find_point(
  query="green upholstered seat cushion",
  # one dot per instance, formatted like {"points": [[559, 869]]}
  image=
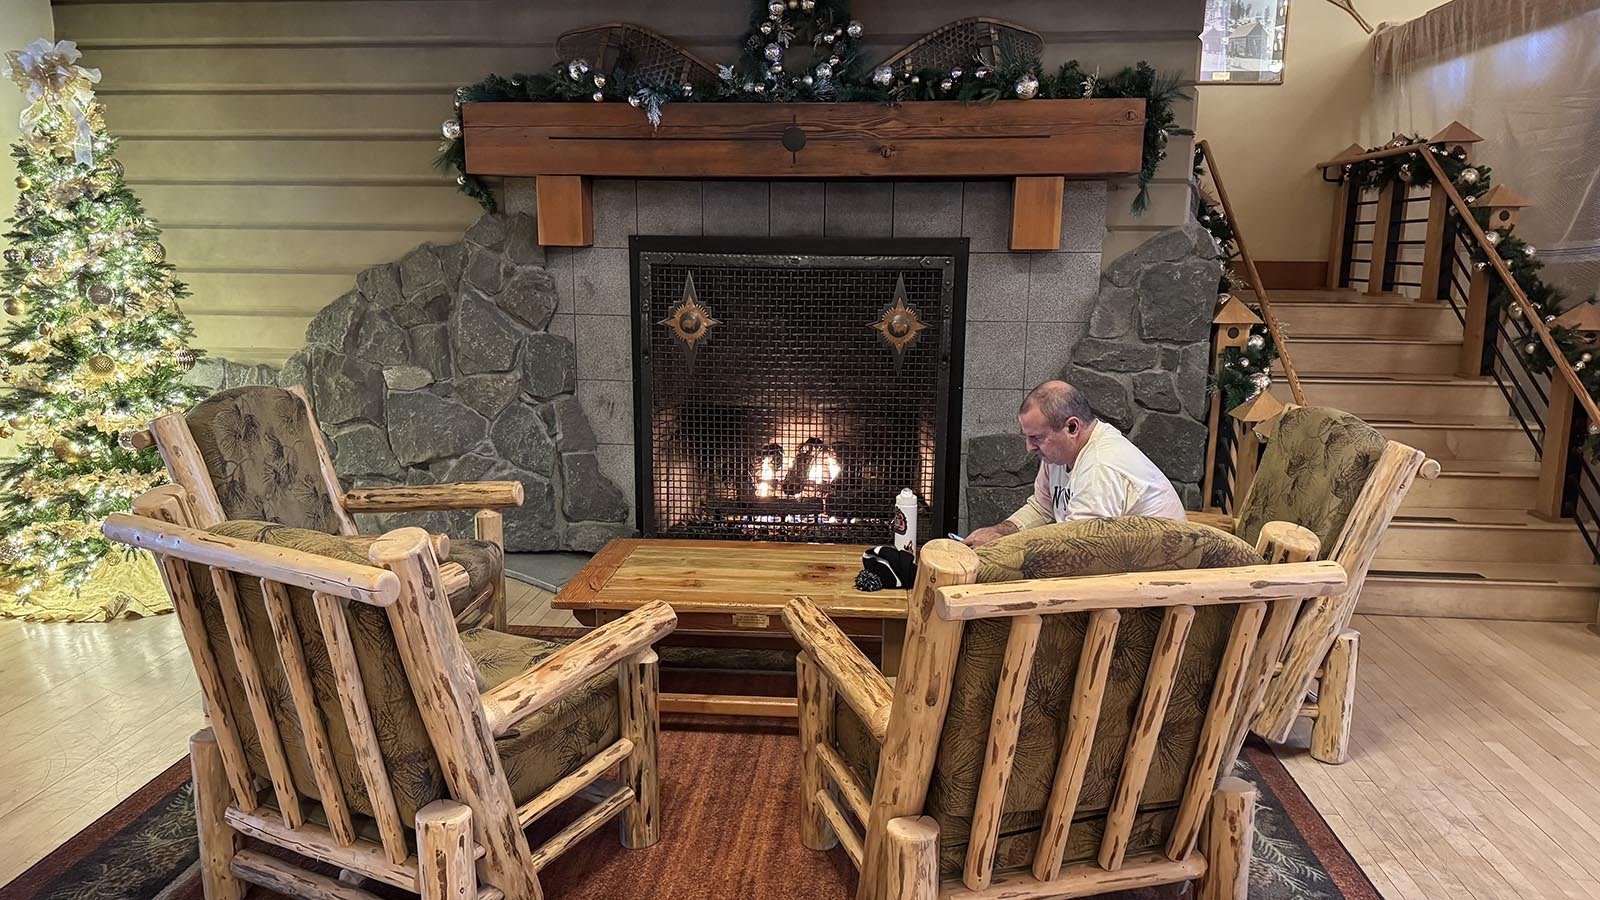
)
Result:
{"points": [[542, 750], [1091, 547], [484, 562], [1310, 473], [258, 446]]}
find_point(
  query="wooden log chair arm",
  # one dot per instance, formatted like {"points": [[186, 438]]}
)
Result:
{"points": [[560, 673], [434, 497], [851, 674]]}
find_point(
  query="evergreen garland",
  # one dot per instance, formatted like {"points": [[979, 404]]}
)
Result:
{"points": [[1215, 222], [1246, 371], [832, 74]]}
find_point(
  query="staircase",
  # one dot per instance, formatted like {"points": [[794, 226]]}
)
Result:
{"points": [[1465, 543]]}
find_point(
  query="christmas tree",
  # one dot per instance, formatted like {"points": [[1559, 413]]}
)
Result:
{"points": [[95, 347]]}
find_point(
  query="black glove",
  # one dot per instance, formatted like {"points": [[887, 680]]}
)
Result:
{"points": [[892, 568]]}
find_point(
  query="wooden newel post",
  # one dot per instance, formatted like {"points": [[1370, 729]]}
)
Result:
{"points": [[1248, 420], [1475, 325], [1338, 248], [1383, 231], [1554, 460], [1456, 139], [1230, 327]]}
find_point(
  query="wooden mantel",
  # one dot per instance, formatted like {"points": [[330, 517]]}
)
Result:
{"points": [[1038, 143]]}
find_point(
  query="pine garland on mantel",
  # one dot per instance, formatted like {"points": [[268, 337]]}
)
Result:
{"points": [[834, 73], [1473, 181]]}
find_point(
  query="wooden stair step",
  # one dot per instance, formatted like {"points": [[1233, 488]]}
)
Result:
{"points": [[1482, 535], [1361, 355], [1479, 484], [1542, 592], [1382, 396], [1325, 318], [1326, 295], [1456, 438]]}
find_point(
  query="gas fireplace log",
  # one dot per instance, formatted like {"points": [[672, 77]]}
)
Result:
{"points": [[414, 498]]}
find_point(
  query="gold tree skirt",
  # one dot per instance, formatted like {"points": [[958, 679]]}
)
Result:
{"points": [[120, 585]]}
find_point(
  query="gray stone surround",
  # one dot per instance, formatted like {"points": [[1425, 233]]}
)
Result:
{"points": [[495, 358]]}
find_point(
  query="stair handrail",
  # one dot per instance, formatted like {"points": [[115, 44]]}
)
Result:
{"points": [[1262, 300]]}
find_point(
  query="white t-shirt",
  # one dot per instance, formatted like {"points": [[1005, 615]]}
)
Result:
{"points": [[1112, 478]]}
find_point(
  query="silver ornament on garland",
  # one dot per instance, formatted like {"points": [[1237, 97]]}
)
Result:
{"points": [[1255, 342], [1405, 172], [461, 180], [1586, 357], [635, 101], [599, 80], [1468, 176], [772, 52], [577, 68], [808, 5], [807, 80], [1471, 199], [947, 85], [1244, 362], [916, 79], [1027, 87], [883, 76], [824, 71], [759, 88], [981, 73], [1529, 348], [775, 9], [776, 68], [597, 97], [829, 38], [12, 256], [451, 129], [765, 27], [1528, 251], [1492, 238], [1594, 428], [1087, 87], [854, 29], [1515, 311], [957, 72]]}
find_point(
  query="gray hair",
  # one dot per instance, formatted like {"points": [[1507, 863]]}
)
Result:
{"points": [[1058, 402]]}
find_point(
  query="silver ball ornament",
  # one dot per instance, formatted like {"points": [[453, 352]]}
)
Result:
{"points": [[775, 8], [1405, 172], [772, 52], [776, 68], [824, 71], [1256, 342], [461, 180], [635, 101], [687, 89], [1515, 311], [807, 80], [1549, 319], [1244, 362], [829, 38], [759, 88], [883, 76], [916, 79], [808, 5], [1529, 347], [1027, 87], [1578, 366], [599, 80], [1492, 238], [1468, 176], [597, 97], [451, 129], [1471, 198], [854, 29], [766, 27], [957, 72], [1594, 428], [577, 68], [1528, 251], [947, 85], [1586, 357], [981, 72]]}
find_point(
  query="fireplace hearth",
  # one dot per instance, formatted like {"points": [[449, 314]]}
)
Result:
{"points": [[788, 389]]}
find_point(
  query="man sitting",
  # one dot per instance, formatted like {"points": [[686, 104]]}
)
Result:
{"points": [[1087, 469]]}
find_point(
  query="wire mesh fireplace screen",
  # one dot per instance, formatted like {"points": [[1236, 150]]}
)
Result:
{"points": [[788, 389]]}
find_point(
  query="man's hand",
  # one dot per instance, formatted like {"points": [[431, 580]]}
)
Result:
{"points": [[985, 535]]}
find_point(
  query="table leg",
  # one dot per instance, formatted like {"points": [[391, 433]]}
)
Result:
{"points": [[894, 639]]}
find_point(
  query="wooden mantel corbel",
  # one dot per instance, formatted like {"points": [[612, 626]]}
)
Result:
{"points": [[1037, 143]]}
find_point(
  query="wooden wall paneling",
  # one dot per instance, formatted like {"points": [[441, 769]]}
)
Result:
{"points": [[1036, 212]]}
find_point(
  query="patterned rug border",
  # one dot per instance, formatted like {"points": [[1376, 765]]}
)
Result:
{"points": [[1335, 857]]}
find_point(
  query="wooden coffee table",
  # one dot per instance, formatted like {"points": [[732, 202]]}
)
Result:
{"points": [[735, 587]]}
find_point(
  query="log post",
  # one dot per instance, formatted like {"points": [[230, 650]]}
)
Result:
{"points": [[815, 699], [1435, 252], [218, 841], [446, 867], [913, 873], [1475, 326], [1338, 249], [1230, 831], [1336, 697], [489, 526], [638, 691], [1555, 447]]}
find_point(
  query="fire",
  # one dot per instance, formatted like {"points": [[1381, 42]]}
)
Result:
{"points": [[808, 471]]}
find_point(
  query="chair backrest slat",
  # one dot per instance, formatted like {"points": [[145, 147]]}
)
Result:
{"points": [[1147, 724], [1278, 543], [330, 478], [358, 721], [255, 692], [1089, 690], [1001, 753], [1217, 732], [315, 736], [187, 468]]}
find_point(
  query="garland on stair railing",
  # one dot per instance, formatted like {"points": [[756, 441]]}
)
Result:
{"points": [[833, 73], [1208, 212], [1246, 371], [1472, 181]]}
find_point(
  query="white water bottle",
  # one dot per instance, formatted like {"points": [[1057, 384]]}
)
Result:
{"points": [[905, 521]]}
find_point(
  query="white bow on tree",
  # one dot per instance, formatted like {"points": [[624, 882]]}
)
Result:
{"points": [[51, 79]]}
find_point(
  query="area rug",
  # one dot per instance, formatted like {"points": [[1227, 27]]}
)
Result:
{"points": [[730, 794]]}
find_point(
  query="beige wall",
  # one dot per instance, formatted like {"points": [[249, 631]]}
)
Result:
{"points": [[1267, 138], [284, 146], [20, 22]]}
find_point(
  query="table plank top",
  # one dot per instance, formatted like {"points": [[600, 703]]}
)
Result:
{"points": [[727, 576]]}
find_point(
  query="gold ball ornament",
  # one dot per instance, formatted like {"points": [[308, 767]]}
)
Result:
{"points": [[46, 327], [14, 306], [24, 183], [5, 431], [185, 358], [101, 364], [66, 450], [100, 294], [154, 253]]}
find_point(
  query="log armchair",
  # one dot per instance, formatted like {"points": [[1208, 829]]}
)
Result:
{"points": [[256, 453], [1053, 737], [1335, 475], [353, 725]]}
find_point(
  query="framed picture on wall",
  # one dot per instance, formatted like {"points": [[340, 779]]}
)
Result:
{"points": [[1242, 42]]}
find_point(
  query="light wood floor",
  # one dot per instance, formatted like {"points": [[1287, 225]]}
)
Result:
{"points": [[1475, 769]]}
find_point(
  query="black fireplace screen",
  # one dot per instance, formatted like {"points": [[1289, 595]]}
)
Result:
{"points": [[789, 389]]}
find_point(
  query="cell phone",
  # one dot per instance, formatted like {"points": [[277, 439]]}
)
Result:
{"points": [[955, 537]]}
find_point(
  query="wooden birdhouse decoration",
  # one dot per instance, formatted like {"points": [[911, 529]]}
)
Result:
{"points": [[1456, 137], [1260, 413], [1584, 319], [1233, 322], [1255, 420], [1504, 206]]}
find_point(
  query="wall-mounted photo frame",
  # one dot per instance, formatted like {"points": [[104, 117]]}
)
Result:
{"points": [[1243, 41]]}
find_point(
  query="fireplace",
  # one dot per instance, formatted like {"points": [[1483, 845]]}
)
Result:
{"points": [[788, 389]]}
